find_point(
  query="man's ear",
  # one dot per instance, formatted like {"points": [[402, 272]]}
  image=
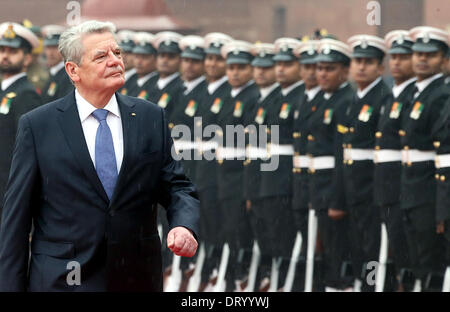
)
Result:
{"points": [[72, 70], [27, 60]]}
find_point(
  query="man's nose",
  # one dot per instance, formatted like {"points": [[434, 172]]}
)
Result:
{"points": [[113, 59]]}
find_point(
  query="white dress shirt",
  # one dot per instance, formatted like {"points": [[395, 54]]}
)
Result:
{"points": [[140, 82], [424, 83], [288, 90], [90, 126], [213, 86], [162, 82], [129, 73], [264, 92], [311, 93], [235, 92], [9, 81], [397, 89], [362, 93], [190, 85], [55, 69]]}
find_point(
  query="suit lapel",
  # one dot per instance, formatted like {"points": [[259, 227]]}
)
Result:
{"points": [[129, 121], [69, 121]]}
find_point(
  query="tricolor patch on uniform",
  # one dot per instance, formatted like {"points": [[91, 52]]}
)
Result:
{"points": [[217, 105], [395, 110], [416, 111], [285, 109], [327, 116], [365, 113], [124, 91], [191, 108], [238, 107], [52, 88], [5, 105], [260, 115], [143, 95], [164, 100]]}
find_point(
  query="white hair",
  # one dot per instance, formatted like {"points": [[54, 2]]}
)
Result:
{"points": [[70, 43]]}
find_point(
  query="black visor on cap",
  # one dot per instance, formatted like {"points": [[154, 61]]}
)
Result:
{"points": [[144, 49], [127, 46], [16, 42], [265, 61], [51, 41], [333, 57], [240, 57], [429, 46], [196, 53], [306, 58], [166, 47], [285, 56], [367, 52]]}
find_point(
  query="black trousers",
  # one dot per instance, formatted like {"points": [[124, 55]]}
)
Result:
{"points": [[237, 232], [392, 216], [334, 235], [365, 238], [428, 247]]}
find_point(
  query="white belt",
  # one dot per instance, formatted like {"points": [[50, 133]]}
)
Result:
{"points": [[301, 161], [442, 161], [412, 156], [184, 145], [387, 155], [230, 153], [357, 154], [285, 149], [203, 146], [253, 152], [322, 162]]}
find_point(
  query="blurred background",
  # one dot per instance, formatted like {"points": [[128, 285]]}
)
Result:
{"points": [[252, 20]]}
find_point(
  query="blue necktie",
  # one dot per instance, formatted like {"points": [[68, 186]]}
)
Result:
{"points": [[105, 157]]}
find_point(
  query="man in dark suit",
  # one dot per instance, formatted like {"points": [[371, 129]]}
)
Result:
{"points": [[418, 184], [363, 114], [59, 83], [17, 94], [88, 171]]}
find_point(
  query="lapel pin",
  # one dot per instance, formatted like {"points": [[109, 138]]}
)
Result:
{"points": [[133, 114]]}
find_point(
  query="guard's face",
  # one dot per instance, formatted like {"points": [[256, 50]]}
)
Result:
{"points": [[168, 63], [287, 73], [365, 70], [52, 56], [128, 60], [192, 68], [308, 74], [144, 63], [239, 74], [215, 67], [13, 61], [264, 76], [400, 66], [428, 64], [101, 65], [331, 75]]}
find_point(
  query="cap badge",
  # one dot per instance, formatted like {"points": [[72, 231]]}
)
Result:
{"points": [[236, 52], [9, 33], [167, 42], [262, 54], [426, 38], [216, 44], [364, 44], [311, 51], [400, 40], [192, 47], [326, 49], [284, 48]]}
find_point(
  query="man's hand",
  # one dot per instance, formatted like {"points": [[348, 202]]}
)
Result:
{"points": [[440, 227], [336, 214], [181, 241]]}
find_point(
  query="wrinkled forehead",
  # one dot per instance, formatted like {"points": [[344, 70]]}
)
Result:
{"points": [[94, 42]]}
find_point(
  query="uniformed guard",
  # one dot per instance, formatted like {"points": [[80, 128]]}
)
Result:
{"points": [[59, 83], [304, 110], [144, 60], [276, 185], [169, 85], [387, 157], [126, 42], [17, 94], [256, 149], [324, 147], [231, 154], [206, 169], [418, 184], [363, 115], [186, 113]]}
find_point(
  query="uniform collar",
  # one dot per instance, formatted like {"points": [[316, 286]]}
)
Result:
{"points": [[9, 81], [327, 95], [190, 85], [311, 93], [398, 89], [140, 82], [85, 109], [362, 93], [213, 86], [266, 91], [55, 69], [235, 92], [163, 82], [129, 73], [426, 82], [286, 91]]}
